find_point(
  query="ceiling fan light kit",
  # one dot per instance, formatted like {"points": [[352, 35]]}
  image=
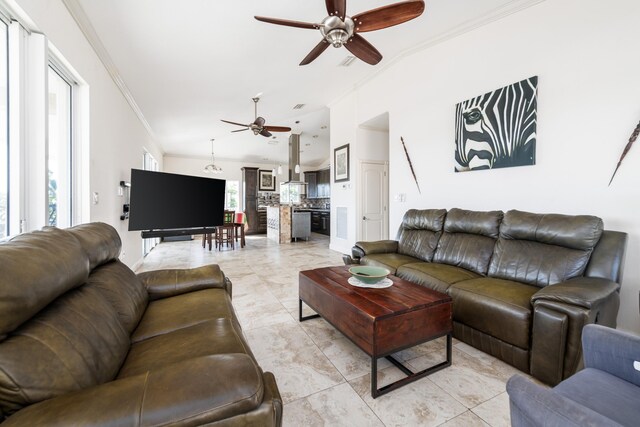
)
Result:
{"points": [[339, 30]]}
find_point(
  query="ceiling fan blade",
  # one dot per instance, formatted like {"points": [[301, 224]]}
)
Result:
{"points": [[265, 132], [234, 123], [363, 49], [240, 130], [277, 129], [287, 23], [388, 16], [259, 121], [337, 7], [320, 47]]}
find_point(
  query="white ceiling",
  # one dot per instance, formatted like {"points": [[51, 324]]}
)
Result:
{"points": [[190, 63]]}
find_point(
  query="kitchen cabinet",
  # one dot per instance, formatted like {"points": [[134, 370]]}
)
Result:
{"points": [[318, 184], [262, 221], [312, 185], [321, 222], [315, 222], [256, 220], [324, 184], [325, 223]]}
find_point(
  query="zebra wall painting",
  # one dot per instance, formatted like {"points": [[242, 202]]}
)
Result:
{"points": [[498, 129]]}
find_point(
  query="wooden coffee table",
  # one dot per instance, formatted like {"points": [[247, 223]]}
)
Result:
{"points": [[379, 321]]}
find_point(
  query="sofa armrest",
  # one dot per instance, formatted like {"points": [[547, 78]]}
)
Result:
{"points": [[534, 405], [612, 351], [196, 391], [378, 247], [171, 282], [586, 292], [560, 312]]}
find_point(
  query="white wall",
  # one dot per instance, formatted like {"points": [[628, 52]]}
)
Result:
{"points": [[585, 54], [231, 170], [117, 138], [373, 145]]}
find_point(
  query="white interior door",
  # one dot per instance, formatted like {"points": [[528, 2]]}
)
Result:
{"points": [[374, 211]]}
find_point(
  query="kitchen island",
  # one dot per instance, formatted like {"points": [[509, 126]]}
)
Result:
{"points": [[320, 219], [284, 223]]}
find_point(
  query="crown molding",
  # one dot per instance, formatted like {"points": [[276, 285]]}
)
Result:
{"points": [[81, 18], [501, 12]]}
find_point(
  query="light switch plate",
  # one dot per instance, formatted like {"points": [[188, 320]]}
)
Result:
{"points": [[95, 198]]}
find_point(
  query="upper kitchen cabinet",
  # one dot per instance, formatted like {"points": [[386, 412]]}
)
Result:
{"points": [[312, 184], [324, 184], [318, 184]]}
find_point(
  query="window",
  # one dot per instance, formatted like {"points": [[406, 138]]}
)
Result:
{"points": [[231, 201], [149, 164], [59, 151], [4, 132]]}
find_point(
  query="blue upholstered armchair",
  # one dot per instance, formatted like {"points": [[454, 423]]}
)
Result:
{"points": [[605, 393]]}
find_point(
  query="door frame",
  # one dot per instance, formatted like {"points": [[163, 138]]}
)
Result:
{"points": [[360, 193]]}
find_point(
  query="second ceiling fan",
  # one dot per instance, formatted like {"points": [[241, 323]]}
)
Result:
{"points": [[339, 30], [258, 127]]}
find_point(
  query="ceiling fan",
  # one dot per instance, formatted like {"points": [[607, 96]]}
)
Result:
{"points": [[258, 126], [339, 30]]}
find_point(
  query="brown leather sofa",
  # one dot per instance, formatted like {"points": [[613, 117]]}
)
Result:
{"points": [[85, 341], [523, 285]]}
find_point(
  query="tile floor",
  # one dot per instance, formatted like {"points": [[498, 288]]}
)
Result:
{"points": [[322, 376]]}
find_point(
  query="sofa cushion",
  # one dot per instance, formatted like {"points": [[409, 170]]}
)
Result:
{"points": [[603, 393], [219, 336], [122, 288], [544, 249], [500, 308], [468, 239], [419, 233], [100, 241], [170, 314], [75, 343], [170, 282], [36, 269], [196, 391], [389, 261], [434, 276]]}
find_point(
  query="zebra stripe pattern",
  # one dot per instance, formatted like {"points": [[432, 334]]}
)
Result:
{"points": [[498, 129]]}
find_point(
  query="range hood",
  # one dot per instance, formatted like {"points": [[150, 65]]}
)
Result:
{"points": [[292, 190]]}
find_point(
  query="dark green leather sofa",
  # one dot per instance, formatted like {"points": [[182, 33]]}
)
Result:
{"points": [[523, 284], [85, 341]]}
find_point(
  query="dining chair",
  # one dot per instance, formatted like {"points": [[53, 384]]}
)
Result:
{"points": [[225, 233]]}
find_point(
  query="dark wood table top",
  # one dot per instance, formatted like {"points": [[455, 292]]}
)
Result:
{"points": [[403, 296]]}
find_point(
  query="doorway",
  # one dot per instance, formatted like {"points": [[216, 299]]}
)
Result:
{"points": [[374, 196], [373, 179]]}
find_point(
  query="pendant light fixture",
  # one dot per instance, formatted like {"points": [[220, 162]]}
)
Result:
{"points": [[212, 168]]}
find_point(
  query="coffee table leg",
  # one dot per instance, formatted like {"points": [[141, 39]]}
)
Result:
{"points": [[410, 375], [302, 319], [374, 377]]}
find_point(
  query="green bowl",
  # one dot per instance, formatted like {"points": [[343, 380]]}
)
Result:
{"points": [[369, 274]]}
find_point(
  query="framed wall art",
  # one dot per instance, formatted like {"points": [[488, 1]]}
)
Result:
{"points": [[266, 180], [498, 129], [341, 163]]}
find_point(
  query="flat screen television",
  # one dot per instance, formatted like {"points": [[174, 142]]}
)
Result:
{"points": [[160, 200]]}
